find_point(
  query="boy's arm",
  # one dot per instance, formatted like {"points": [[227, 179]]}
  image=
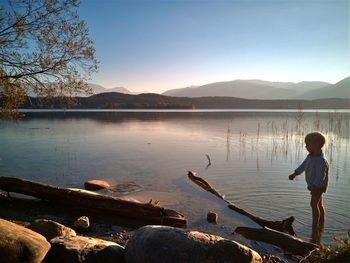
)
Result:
{"points": [[299, 170], [292, 176]]}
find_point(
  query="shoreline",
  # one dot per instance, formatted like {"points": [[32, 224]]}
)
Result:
{"points": [[23, 211]]}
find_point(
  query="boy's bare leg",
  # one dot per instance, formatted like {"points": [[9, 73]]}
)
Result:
{"points": [[316, 235], [322, 212], [316, 196]]}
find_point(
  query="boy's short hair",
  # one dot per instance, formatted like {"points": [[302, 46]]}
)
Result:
{"points": [[316, 137]]}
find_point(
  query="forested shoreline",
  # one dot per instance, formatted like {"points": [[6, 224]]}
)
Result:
{"points": [[155, 101]]}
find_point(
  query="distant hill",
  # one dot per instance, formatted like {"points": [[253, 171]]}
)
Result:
{"points": [[238, 88], [99, 89], [306, 86], [340, 89], [249, 89], [114, 100]]}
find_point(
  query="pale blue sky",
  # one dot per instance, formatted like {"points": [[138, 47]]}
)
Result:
{"points": [[158, 45]]}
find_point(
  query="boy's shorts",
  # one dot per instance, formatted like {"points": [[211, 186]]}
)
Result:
{"points": [[311, 189]]}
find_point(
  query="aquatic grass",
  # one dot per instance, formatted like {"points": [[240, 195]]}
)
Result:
{"points": [[228, 139], [282, 137]]}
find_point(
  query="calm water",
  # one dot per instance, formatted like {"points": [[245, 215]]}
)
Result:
{"points": [[252, 154]]}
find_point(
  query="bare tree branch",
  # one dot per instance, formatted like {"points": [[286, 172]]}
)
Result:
{"points": [[44, 48]]}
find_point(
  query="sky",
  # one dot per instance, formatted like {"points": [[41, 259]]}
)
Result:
{"points": [[157, 45]]}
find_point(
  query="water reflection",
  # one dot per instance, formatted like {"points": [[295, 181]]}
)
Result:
{"points": [[250, 157]]}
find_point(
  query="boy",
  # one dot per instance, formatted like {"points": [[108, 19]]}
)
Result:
{"points": [[316, 168]]}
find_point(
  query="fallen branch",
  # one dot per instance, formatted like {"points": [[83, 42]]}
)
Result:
{"points": [[204, 184], [93, 203], [287, 242], [283, 226]]}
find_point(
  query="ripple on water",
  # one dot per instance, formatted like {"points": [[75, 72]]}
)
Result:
{"points": [[156, 150]]}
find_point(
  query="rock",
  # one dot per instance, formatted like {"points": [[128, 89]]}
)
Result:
{"points": [[51, 229], [19, 244], [151, 244], [212, 217], [84, 249], [82, 223], [96, 185]]}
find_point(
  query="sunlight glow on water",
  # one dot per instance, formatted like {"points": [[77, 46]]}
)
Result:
{"points": [[252, 155]]}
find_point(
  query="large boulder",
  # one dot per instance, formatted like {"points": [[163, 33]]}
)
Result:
{"points": [[84, 249], [94, 185], [157, 244], [51, 229], [19, 244]]}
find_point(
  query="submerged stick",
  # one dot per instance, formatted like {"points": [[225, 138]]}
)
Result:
{"points": [[209, 161], [208, 157], [283, 226]]}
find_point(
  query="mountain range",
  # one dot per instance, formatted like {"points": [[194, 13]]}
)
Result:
{"points": [[253, 89], [220, 95], [259, 89]]}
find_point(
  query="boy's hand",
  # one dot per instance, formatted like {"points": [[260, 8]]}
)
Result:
{"points": [[292, 176]]}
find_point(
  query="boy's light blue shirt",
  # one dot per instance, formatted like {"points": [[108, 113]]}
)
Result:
{"points": [[316, 171]]}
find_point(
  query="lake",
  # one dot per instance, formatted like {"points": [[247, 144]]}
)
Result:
{"points": [[148, 154]]}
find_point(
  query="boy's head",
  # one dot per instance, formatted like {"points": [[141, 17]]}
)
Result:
{"points": [[314, 142]]}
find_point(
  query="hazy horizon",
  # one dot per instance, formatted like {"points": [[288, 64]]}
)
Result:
{"points": [[159, 45], [195, 86]]}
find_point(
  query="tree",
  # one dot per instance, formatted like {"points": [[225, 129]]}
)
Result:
{"points": [[45, 49]]}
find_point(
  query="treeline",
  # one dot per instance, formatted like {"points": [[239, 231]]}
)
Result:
{"points": [[116, 100]]}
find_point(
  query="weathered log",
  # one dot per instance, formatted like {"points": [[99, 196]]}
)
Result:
{"points": [[283, 225], [287, 242], [95, 203]]}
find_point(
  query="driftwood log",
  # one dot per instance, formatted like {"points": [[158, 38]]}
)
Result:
{"points": [[95, 203], [283, 226], [287, 242]]}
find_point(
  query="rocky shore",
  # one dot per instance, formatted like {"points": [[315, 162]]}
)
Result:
{"points": [[49, 241], [37, 231]]}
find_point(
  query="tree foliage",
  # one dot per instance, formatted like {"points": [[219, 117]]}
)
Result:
{"points": [[45, 49]]}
